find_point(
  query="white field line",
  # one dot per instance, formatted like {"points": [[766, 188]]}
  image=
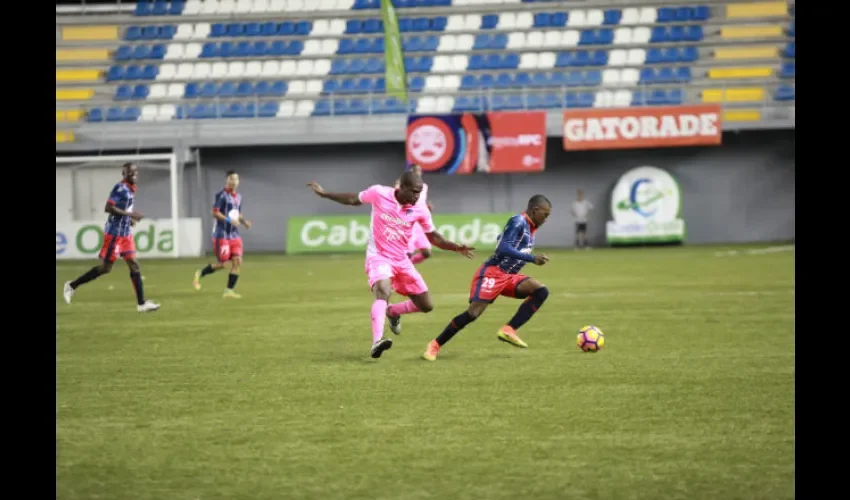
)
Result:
{"points": [[756, 251]]}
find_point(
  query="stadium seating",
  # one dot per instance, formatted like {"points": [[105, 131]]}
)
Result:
{"points": [[245, 58]]}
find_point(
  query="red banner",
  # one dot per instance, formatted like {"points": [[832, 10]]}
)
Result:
{"points": [[489, 143], [642, 127]]}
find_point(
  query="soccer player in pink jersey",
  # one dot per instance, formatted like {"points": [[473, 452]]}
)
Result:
{"points": [[394, 213]]}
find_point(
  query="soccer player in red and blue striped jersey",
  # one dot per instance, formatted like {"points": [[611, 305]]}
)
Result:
{"points": [[500, 276], [118, 239], [227, 243]]}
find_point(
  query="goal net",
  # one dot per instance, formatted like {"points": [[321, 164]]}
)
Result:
{"points": [[83, 184]]}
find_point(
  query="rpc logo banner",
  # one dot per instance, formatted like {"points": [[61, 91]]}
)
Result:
{"points": [[470, 143], [647, 208], [643, 127]]}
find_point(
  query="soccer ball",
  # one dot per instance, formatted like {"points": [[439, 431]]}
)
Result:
{"points": [[590, 339], [233, 214]]}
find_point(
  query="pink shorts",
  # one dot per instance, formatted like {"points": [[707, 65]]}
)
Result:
{"points": [[418, 240], [406, 280]]}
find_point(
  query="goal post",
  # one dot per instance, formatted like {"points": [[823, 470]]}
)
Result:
{"points": [[71, 193]]}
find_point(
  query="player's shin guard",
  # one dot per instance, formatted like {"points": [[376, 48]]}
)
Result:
{"points": [[457, 324], [136, 278], [379, 315], [529, 307], [405, 307], [90, 275], [231, 281], [207, 270]]}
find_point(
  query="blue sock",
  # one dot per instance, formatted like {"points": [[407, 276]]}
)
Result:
{"points": [[529, 307]]}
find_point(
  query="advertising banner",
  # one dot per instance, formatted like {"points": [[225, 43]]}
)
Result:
{"points": [[647, 208], [469, 143], [154, 238], [395, 77], [350, 233], [642, 127]]}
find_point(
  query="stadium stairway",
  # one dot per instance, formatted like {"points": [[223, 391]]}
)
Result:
{"points": [[300, 58]]}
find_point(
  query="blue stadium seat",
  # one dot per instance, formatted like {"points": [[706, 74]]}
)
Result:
{"points": [[227, 90], [416, 84], [788, 70], [192, 90], [790, 50], [489, 21], [269, 109], [141, 52], [612, 17], [95, 115], [149, 33], [141, 91], [143, 8], [580, 99], [208, 90], [252, 29], [123, 92], [133, 33], [160, 8], [176, 7], [785, 93], [123, 53]]}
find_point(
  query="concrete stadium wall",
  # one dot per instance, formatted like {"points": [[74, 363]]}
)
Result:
{"points": [[742, 191]]}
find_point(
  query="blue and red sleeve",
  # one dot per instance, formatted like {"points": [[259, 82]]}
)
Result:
{"points": [[117, 196], [220, 204], [510, 240]]}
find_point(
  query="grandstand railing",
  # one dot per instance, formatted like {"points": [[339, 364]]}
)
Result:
{"points": [[407, 106]]}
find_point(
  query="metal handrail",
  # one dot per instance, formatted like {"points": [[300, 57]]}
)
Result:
{"points": [[482, 104]]}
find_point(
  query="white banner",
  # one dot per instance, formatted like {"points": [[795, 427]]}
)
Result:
{"points": [[647, 207], [154, 238]]}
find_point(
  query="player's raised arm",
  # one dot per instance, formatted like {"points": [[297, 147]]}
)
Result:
{"points": [[351, 199]]}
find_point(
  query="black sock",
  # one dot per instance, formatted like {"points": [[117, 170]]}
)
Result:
{"points": [[529, 307], [136, 278], [89, 275], [207, 270], [231, 280], [456, 325]]}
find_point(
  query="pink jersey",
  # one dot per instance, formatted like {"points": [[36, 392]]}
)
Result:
{"points": [[392, 223]]}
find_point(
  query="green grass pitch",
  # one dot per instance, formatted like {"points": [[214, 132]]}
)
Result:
{"points": [[275, 396]]}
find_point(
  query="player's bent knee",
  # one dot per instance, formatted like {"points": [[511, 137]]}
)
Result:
{"points": [[542, 293], [426, 252], [426, 307]]}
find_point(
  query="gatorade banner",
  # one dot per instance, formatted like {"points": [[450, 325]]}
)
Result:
{"points": [[396, 78], [350, 233], [470, 143], [643, 127]]}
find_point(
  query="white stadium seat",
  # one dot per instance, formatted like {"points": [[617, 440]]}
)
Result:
{"points": [[226, 7], [304, 108], [176, 90]]}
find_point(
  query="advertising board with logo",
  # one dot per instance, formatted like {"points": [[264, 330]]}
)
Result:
{"points": [[153, 237], [646, 204], [470, 143], [643, 127], [350, 233]]}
